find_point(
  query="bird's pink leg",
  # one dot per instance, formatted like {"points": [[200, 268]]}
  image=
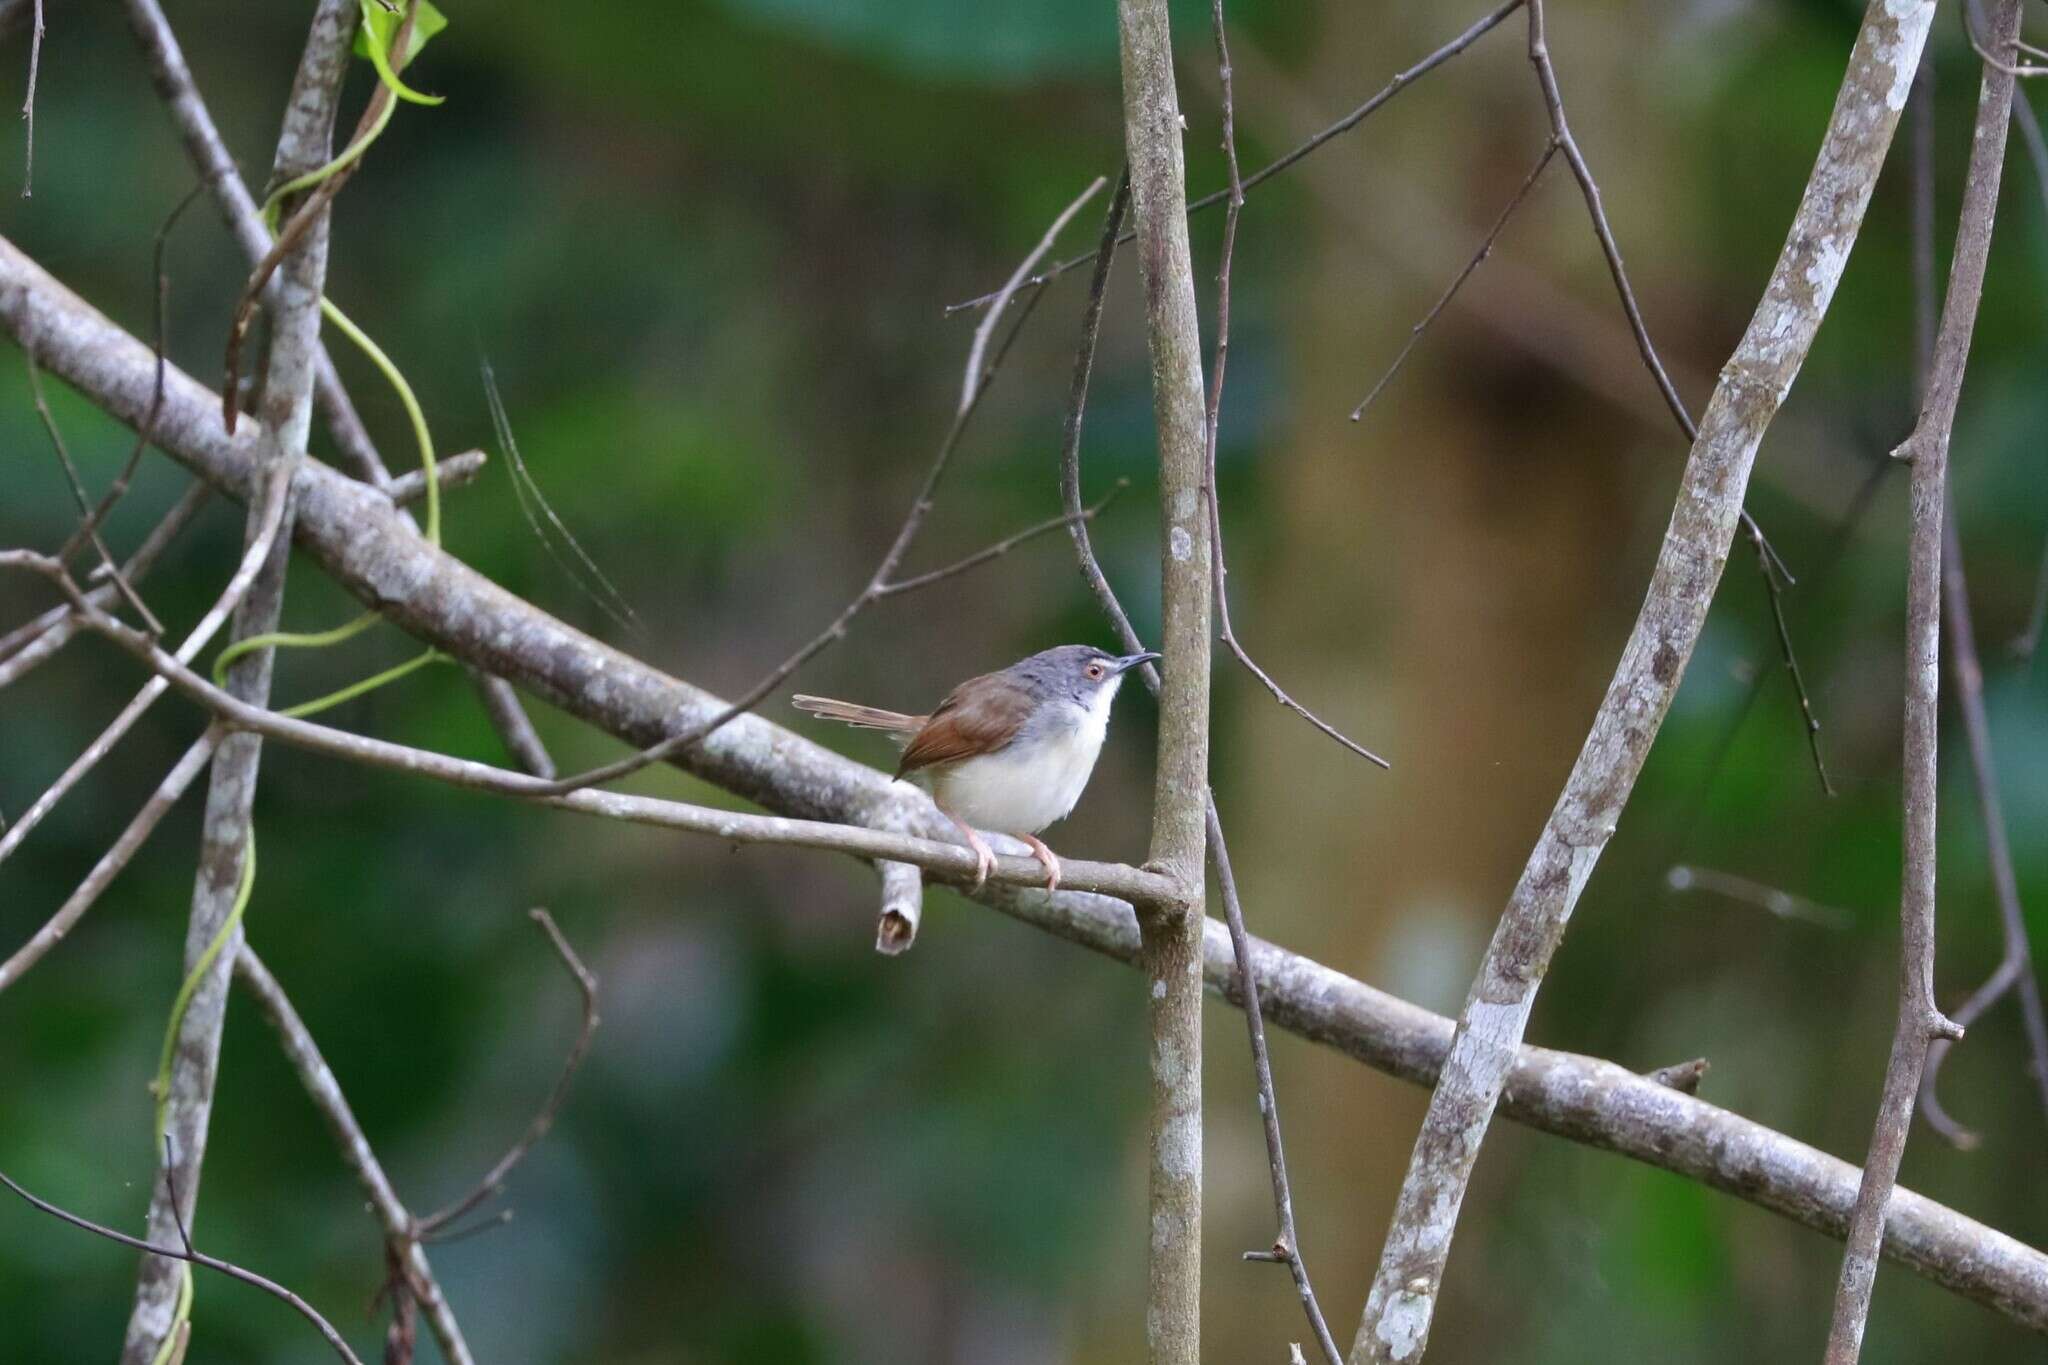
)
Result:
{"points": [[984, 856], [1047, 859]]}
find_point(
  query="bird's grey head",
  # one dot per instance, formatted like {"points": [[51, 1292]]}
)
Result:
{"points": [[1082, 673]]}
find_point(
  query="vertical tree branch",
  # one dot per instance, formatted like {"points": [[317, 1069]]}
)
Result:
{"points": [[1172, 933], [286, 412], [1920, 1021], [1403, 1298]]}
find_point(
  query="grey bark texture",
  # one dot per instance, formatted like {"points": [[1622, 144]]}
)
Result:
{"points": [[286, 413], [1399, 1307], [1919, 1020], [1173, 931]]}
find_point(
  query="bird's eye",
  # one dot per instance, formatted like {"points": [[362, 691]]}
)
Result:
{"points": [[1095, 671]]}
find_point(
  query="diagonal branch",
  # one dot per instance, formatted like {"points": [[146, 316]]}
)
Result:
{"points": [[325, 1092], [1395, 1325]]}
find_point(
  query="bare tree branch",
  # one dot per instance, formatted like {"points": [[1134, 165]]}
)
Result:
{"points": [[1172, 928], [493, 1182], [2014, 972], [286, 410], [356, 1153], [1477, 259], [1395, 1325], [28, 104], [1920, 1020], [1286, 1240], [947, 859], [181, 776], [185, 1252]]}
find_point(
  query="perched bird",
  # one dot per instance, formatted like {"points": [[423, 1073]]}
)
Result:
{"points": [[1007, 751]]}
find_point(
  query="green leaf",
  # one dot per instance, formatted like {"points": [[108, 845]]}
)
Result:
{"points": [[380, 26]]}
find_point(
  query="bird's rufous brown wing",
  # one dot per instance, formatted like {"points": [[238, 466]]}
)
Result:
{"points": [[979, 716]]}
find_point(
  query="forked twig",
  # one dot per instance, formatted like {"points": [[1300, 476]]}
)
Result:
{"points": [[1401, 81], [1218, 568], [493, 1182], [1478, 257], [78, 495]]}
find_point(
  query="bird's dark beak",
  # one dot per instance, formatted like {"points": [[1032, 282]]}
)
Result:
{"points": [[1131, 661]]}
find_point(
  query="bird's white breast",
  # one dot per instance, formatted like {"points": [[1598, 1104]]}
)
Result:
{"points": [[1033, 782]]}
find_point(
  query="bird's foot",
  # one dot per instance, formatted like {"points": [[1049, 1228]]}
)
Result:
{"points": [[984, 856], [1047, 859]]}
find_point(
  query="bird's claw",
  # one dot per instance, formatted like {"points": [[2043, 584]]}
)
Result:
{"points": [[1047, 859]]}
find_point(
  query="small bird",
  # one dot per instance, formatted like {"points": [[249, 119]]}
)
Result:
{"points": [[1007, 751]]}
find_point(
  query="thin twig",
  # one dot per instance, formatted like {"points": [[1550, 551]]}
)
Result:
{"points": [[1776, 575], [118, 855], [85, 513], [2014, 972], [159, 297], [321, 1087], [1920, 1020], [28, 104], [493, 1182], [137, 567], [266, 517], [1776, 900], [1477, 259], [546, 525], [200, 1258], [1003, 546], [1401, 81], [1286, 1241], [1219, 570], [2029, 640], [877, 582], [970, 378]]}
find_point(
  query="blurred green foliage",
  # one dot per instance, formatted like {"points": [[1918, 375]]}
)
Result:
{"points": [[706, 248]]}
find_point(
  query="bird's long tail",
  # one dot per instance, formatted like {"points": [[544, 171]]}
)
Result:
{"points": [[866, 717]]}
